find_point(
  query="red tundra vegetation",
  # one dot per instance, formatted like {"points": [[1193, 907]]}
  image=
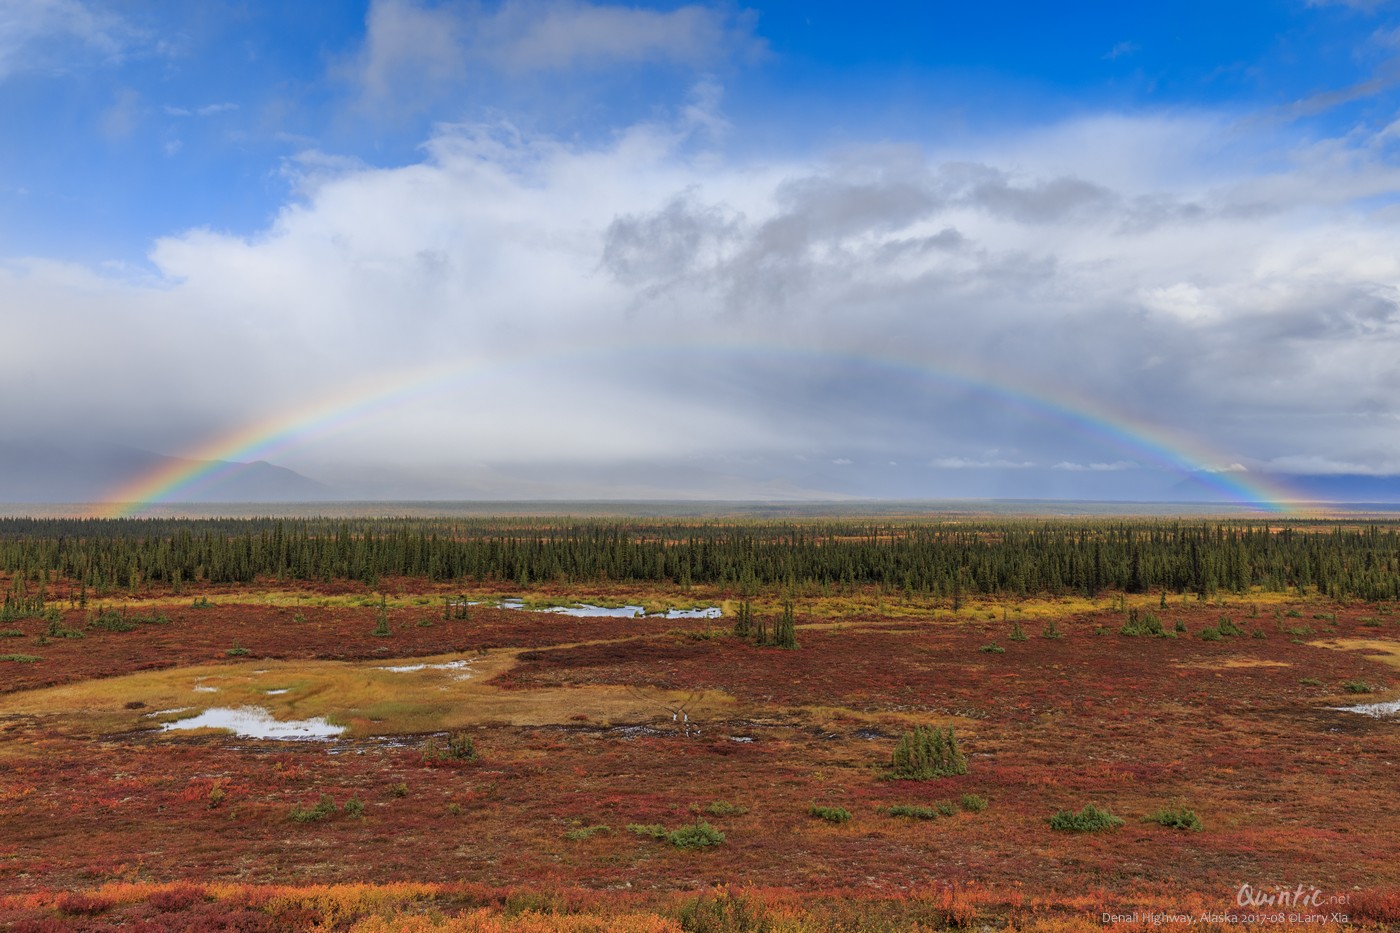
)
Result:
{"points": [[651, 774]]}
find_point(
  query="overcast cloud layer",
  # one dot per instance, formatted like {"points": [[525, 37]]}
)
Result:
{"points": [[658, 308]]}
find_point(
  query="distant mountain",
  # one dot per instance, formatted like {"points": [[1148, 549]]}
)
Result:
{"points": [[49, 473], [1334, 487]]}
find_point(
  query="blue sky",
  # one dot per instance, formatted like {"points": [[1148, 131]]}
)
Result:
{"points": [[1178, 215]]}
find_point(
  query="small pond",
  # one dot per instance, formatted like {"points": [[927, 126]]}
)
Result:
{"points": [[255, 723]]}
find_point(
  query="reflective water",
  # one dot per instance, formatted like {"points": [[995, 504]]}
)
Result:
{"points": [[1374, 710], [585, 610], [256, 723]]}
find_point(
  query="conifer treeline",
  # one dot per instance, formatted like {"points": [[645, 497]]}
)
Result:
{"points": [[950, 559]]}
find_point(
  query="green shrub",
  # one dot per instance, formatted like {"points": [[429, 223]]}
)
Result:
{"points": [[695, 836], [724, 808], [700, 835], [1258, 633], [354, 808], [973, 803], [381, 626], [1210, 634], [1310, 682], [110, 620], [1145, 623], [57, 629], [201, 602], [1358, 686], [20, 658], [1228, 628], [1179, 818], [1089, 820], [324, 810], [1052, 631], [1295, 614], [459, 748], [237, 651], [586, 832], [1180, 627], [913, 812], [399, 790], [945, 807], [928, 752], [1017, 634], [993, 648], [11, 633], [830, 814]]}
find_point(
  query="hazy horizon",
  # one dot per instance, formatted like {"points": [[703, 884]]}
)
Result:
{"points": [[559, 249]]}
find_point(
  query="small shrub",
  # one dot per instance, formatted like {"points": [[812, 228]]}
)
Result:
{"points": [[459, 748], [1295, 614], [973, 803], [79, 904], [830, 814], [1179, 818], [216, 796], [1298, 631], [945, 807], [1228, 628], [913, 812], [20, 658], [324, 810], [1210, 634], [1180, 627], [109, 620], [237, 651], [1052, 631], [381, 627], [993, 648], [11, 633], [724, 808], [1088, 820], [399, 790], [928, 752], [354, 808], [1310, 682], [57, 629], [201, 602], [1145, 623], [586, 832], [1258, 633], [1017, 634], [1358, 686], [700, 835]]}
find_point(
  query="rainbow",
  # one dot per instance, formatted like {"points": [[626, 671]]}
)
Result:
{"points": [[227, 453]]}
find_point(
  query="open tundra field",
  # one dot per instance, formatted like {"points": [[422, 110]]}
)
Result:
{"points": [[846, 725]]}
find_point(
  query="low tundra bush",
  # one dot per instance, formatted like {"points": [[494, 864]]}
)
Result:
{"points": [[1088, 820]]}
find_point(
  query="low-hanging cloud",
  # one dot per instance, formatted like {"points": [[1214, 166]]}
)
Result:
{"points": [[649, 299]]}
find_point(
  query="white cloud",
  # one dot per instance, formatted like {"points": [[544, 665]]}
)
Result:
{"points": [[963, 463], [56, 36], [647, 299], [1114, 467]]}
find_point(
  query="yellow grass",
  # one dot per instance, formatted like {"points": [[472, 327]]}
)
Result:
{"points": [[364, 696], [1387, 652]]}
